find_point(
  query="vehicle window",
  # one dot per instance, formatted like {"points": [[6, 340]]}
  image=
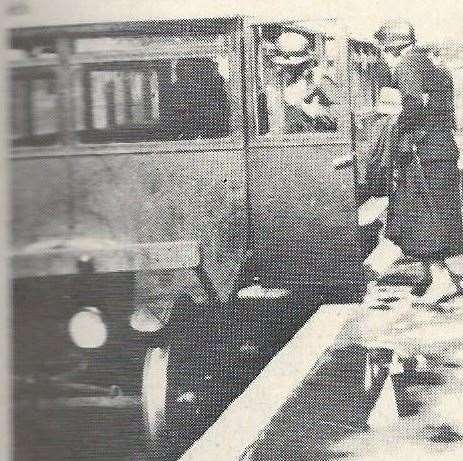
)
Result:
{"points": [[363, 85], [34, 97], [151, 88], [363, 91], [297, 82]]}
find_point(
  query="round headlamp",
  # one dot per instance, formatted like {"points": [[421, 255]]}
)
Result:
{"points": [[87, 328]]}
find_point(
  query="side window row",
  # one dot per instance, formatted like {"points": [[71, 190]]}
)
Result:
{"points": [[141, 97], [158, 88], [159, 100]]}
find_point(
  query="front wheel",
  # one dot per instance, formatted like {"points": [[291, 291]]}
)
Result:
{"points": [[154, 387]]}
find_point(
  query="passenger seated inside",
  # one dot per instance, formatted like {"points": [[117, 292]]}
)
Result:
{"points": [[300, 94], [199, 107]]}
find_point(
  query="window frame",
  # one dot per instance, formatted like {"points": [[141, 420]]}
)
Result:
{"points": [[29, 72], [89, 62], [67, 61], [352, 51], [340, 136]]}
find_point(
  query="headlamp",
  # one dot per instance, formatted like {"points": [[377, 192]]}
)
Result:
{"points": [[87, 328]]}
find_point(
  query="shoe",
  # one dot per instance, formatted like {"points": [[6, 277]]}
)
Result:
{"points": [[442, 288], [421, 287]]}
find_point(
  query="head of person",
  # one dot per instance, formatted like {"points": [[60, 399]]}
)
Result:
{"points": [[293, 57], [394, 38]]}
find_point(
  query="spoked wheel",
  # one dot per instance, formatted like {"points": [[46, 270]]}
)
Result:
{"points": [[154, 389]]}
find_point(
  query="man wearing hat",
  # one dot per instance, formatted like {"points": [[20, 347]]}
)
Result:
{"points": [[299, 97], [424, 218]]}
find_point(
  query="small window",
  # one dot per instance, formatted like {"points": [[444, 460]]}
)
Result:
{"points": [[363, 78], [33, 94], [108, 98], [33, 54], [34, 108], [298, 89], [141, 92]]}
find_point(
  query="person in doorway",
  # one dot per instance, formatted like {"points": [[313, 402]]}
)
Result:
{"points": [[424, 215], [299, 95]]}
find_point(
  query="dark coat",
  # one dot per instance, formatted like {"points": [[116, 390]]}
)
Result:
{"points": [[443, 99], [424, 217], [430, 124], [379, 153]]}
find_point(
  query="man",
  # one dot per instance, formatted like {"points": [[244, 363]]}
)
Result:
{"points": [[199, 106], [424, 217], [300, 94]]}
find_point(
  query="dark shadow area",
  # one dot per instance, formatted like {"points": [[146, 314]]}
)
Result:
{"points": [[445, 434], [423, 378]]}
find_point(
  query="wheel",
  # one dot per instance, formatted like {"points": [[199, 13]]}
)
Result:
{"points": [[154, 388]]}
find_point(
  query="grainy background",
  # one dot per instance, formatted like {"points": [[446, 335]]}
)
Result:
{"points": [[434, 22]]}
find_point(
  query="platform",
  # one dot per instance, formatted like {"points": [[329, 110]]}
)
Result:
{"points": [[310, 402]]}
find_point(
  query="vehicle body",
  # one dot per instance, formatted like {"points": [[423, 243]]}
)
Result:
{"points": [[101, 155]]}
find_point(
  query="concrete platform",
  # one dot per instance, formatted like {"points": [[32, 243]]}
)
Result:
{"points": [[310, 402]]}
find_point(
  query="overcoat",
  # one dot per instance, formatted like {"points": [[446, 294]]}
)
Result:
{"points": [[425, 217]]}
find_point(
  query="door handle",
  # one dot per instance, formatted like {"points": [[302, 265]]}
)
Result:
{"points": [[343, 161]]}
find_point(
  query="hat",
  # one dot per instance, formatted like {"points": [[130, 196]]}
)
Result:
{"points": [[395, 34], [389, 101], [292, 49]]}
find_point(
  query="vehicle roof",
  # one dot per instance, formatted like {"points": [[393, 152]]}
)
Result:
{"points": [[31, 26], [33, 23]]}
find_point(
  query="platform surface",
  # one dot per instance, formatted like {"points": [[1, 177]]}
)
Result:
{"points": [[325, 416]]}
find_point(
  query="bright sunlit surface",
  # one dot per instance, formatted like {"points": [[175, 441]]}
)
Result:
{"points": [[87, 328]]}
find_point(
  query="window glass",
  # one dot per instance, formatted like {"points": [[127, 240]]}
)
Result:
{"points": [[18, 110], [34, 109], [298, 89], [123, 98], [155, 99], [35, 54], [33, 94], [363, 87]]}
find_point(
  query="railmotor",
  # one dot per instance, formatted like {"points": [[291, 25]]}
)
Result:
{"points": [[128, 137]]}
